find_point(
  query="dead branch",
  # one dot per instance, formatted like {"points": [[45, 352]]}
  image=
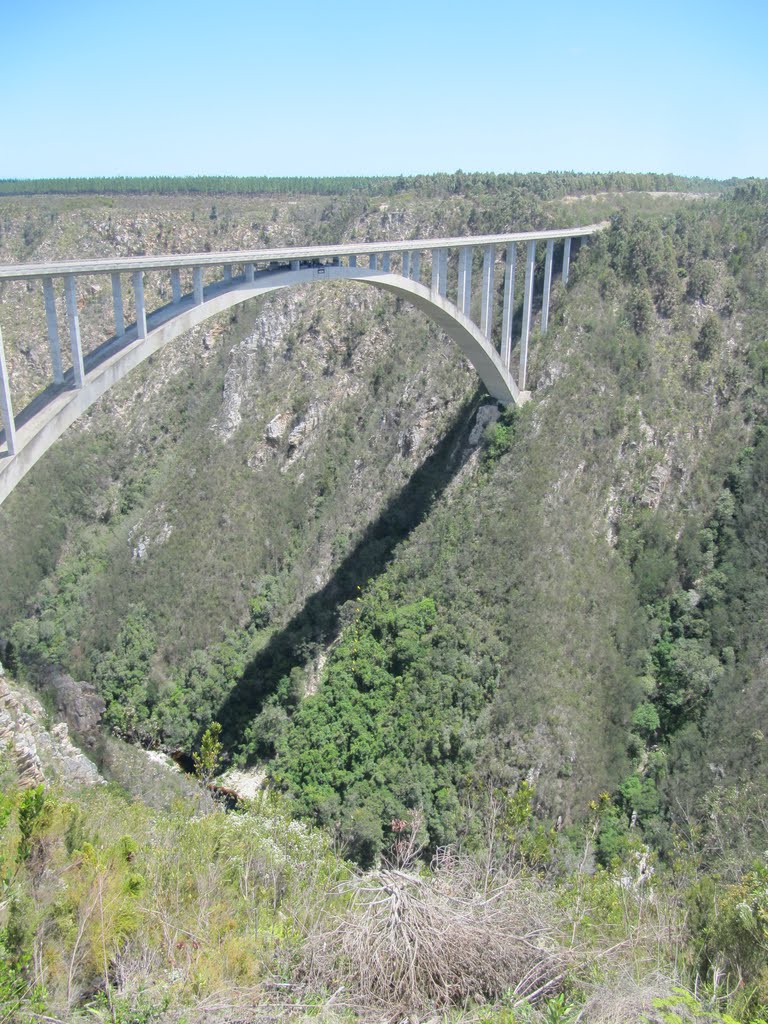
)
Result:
{"points": [[407, 941]]}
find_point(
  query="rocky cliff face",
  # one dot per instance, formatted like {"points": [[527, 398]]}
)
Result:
{"points": [[39, 753]]}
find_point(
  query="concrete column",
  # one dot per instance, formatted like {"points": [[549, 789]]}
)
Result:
{"points": [[443, 262], [117, 305], [440, 271], [509, 305], [78, 368], [547, 285], [249, 272], [566, 259], [486, 306], [141, 312], [176, 285], [385, 262], [295, 264], [353, 261], [197, 285], [6, 408], [54, 344], [416, 267], [464, 291], [373, 262], [530, 263], [406, 264], [228, 273]]}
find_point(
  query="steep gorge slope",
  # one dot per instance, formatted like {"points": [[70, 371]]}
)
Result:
{"points": [[245, 463], [570, 616], [287, 453]]}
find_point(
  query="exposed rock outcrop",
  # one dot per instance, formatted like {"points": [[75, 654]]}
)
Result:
{"points": [[78, 703], [38, 754], [486, 415]]}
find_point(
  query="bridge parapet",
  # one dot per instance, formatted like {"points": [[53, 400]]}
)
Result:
{"points": [[392, 265]]}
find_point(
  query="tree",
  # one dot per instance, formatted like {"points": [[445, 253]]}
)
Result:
{"points": [[641, 310], [208, 759], [710, 337], [646, 719]]}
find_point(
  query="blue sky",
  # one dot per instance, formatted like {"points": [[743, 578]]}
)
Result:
{"points": [[314, 88]]}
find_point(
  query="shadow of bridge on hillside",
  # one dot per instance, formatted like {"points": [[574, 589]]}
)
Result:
{"points": [[319, 621]]}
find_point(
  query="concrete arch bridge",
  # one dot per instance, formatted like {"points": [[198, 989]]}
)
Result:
{"points": [[217, 281]]}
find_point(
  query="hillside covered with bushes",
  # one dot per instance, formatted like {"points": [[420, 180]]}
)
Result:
{"points": [[503, 670]]}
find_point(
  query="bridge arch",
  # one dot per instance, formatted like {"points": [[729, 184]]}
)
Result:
{"points": [[48, 417]]}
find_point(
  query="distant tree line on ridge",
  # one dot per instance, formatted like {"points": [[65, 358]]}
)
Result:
{"points": [[550, 185]]}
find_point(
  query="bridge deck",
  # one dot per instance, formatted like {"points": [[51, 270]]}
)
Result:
{"points": [[23, 271]]}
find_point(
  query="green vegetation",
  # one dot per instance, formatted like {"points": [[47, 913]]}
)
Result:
{"points": [[537, 658], [546, 186], [208, 760], [102, 887], [114, 912]]}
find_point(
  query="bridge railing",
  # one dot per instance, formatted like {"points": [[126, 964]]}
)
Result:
{"points": [[411, 259]]}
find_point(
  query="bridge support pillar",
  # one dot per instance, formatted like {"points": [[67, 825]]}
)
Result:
{"points": [[530, 263], [486, 305], [249, 272], [141, 309], [117, 305], [440, 271], [6, 408], [197, 285], [176, 285], [406, 264], [509, 305], [416, 267], [228, 273], [353, 261], [566, 259], [385, 262], [295, 264], [54, 343], [547, 285], [464, 291], [78, 367], [373, 262]]}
